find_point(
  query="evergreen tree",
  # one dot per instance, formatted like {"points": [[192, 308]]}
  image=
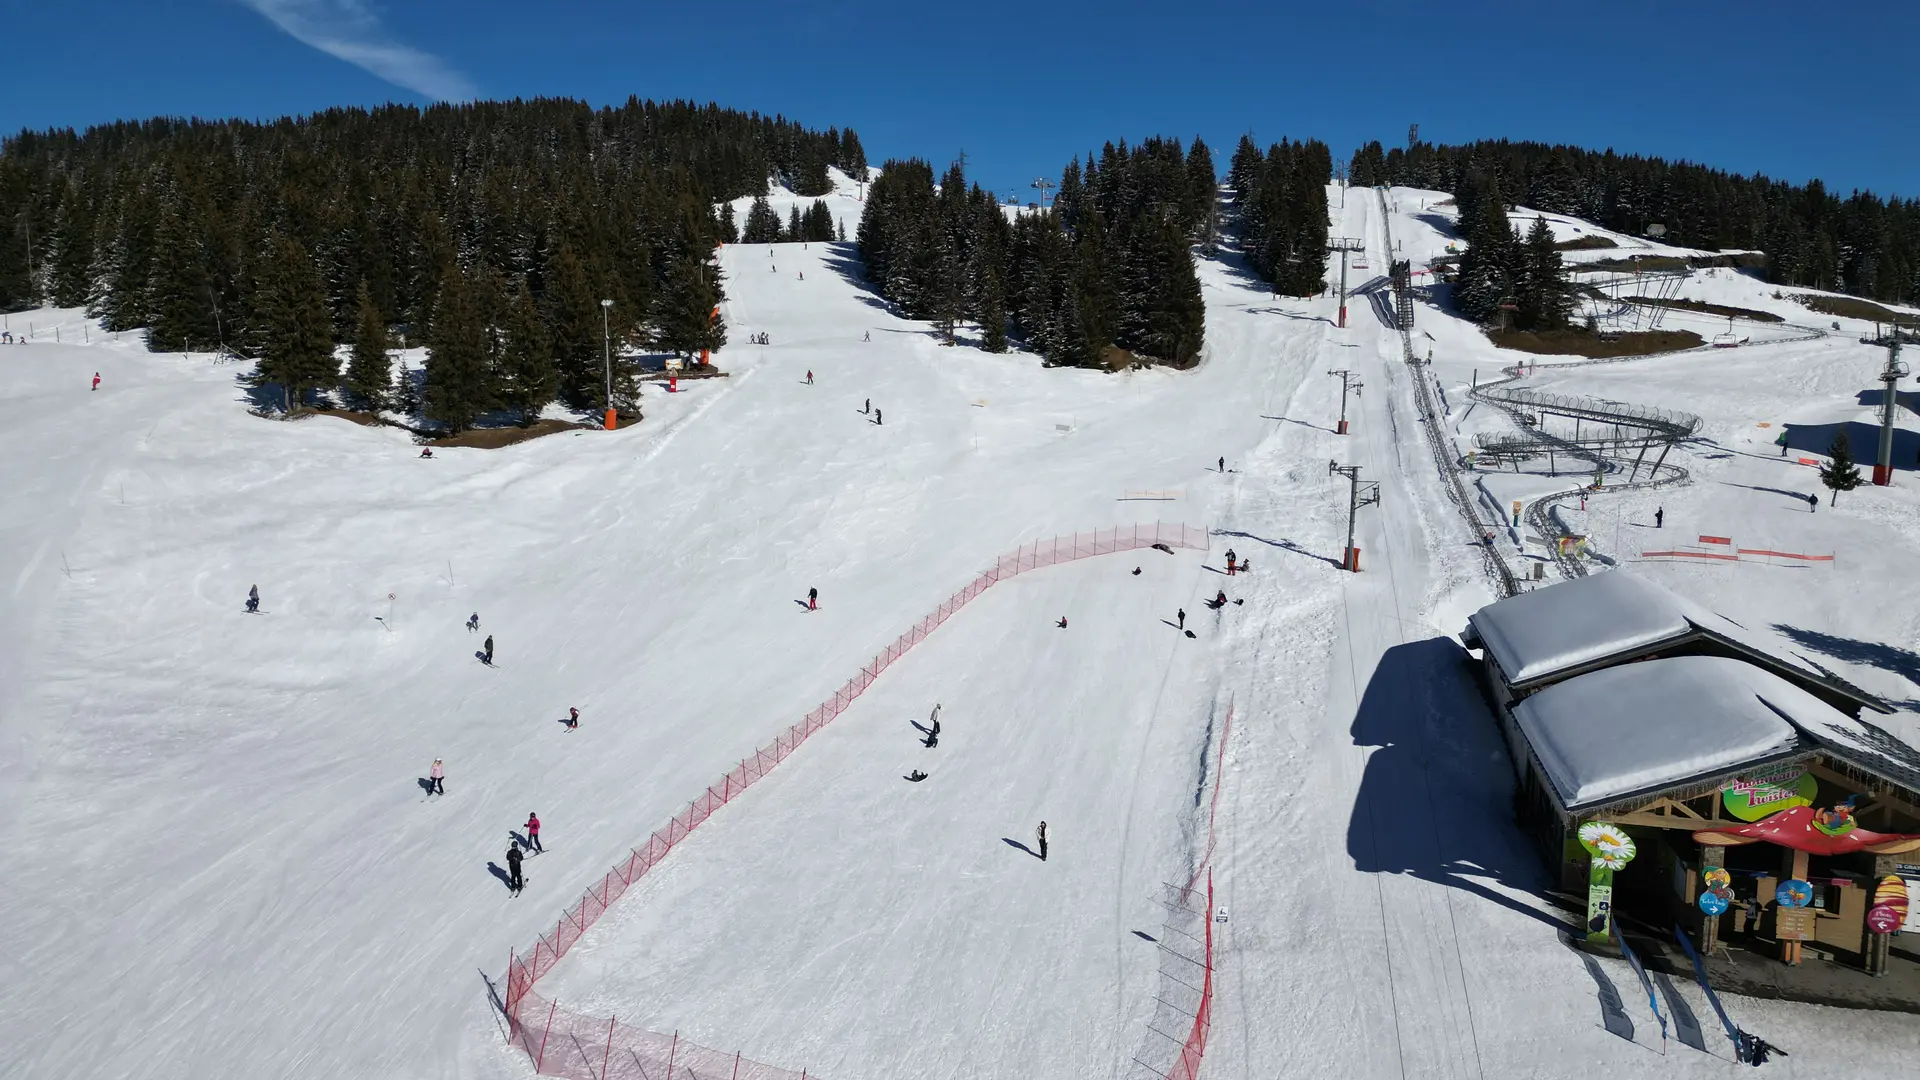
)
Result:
{"points": [[685, 317], [729, 233], [1096, 308], [528, 378], [1176, 312], [459, 378], [794, 231], [1840, 473], [1543, 295], [1487, 274], [293, 329], [840, 231], [369, 366], [575, 333], [763, 225], [179, 292]]}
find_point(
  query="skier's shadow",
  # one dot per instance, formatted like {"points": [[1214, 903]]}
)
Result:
{"points": [[501, 874], [426, 785], [1173, 624], [520, 840], [802, 603], [924, 729], [1012, 843]]}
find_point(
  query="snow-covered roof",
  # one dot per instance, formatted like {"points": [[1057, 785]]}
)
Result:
{"points": [[1577, 622], [1574, 624], [1640, 727]]}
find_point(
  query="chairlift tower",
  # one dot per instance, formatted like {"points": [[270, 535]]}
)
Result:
{"points": [[1358, 495], [1043, 184], [1343, 245], [1891, 376], [1348, 385]]}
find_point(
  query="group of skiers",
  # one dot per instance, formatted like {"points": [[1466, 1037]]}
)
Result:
{"points": [[867, 409]]}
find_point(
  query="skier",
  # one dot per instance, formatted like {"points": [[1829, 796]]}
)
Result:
{"points": [[573, 718], [1062, 624], [533, 833], [514, 882], [1659, 517], [1223, 464], [809, 376], [487, 650], [803, 275], [96, 380], [1182, 615], [867, 407], [813, 599], [869, 336], [1041, 835], [253, 600], [434, 776], [473, 622], [1813, 504], [876, 416], [1782, 443], [1229, 562]]}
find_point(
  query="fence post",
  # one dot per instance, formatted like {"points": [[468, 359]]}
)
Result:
{"points": [[542, 1056], [673, 1051], [608, 1056]]}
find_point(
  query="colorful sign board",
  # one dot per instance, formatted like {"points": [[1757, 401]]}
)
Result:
{"points": [[1753, 797], [1610, 849], [1793, 924], [1713, 903], [1882, 919], [1793, 893]]}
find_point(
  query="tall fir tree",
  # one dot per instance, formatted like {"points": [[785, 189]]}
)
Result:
{"points": [[575, 332], [459, 376], [763, 225], [528, 378], [1839, 473], [179, 293], [369, 377], [685, 317], [293, 327]]}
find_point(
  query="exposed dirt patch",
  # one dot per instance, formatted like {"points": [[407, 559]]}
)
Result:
{"points": [[1594, 346], [1744, 260], [1852, 307], [1586, 243], [1710, 309], [493, 438], [364, 419]]}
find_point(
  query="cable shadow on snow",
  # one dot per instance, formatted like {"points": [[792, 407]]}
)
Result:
{"points": [[1435, 800], [1282, 543]]}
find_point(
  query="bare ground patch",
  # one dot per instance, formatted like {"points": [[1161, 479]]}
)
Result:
{"points": [[1595, 346]]}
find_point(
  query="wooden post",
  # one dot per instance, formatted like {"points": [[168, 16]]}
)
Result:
{"points": [[1711, 856]]}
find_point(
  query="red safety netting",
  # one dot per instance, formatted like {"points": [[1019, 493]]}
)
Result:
{"points": [[1187, 1066], [558, 1041]]}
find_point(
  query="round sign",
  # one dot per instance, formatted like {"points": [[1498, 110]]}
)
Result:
{"points": [[1793, 893], [1713, 903], [1882, 919], [1716, 877], [1610, 846]]}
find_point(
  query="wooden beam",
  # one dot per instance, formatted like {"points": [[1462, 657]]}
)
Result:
{"points": [[1658, 821]]}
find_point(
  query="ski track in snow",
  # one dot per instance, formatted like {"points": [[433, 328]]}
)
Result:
{"points": [[222, 862]]}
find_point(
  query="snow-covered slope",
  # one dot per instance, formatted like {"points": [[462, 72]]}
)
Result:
{"points": [[223, 863]]}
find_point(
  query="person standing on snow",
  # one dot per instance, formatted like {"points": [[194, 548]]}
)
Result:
{"points": [[1230, 562], [813, 599], [867, 407], [487, 652], [869, 336], [876, 416], [434, 776], [809, 376], [1659, 517], [1182, 616], [96, 380], [573, 718], [253, 600], [514, 882], [1223, 464], [533, 833], [934, 717], [1041, 835], [473, 622]]}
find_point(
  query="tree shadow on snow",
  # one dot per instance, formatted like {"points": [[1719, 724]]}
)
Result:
{"points": [[1902, 662], [1905, 399], [844, 259], [1435, 800], [1863, 441]]}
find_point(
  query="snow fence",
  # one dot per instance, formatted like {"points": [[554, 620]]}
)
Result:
{"points": [[563, 1043]]}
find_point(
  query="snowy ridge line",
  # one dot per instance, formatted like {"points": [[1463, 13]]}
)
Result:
{"points": [[567, 1044]]}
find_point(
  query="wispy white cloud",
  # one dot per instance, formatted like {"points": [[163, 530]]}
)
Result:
{"points": [[349, 30]]}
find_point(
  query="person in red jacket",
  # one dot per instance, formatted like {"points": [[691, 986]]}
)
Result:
{"points": [[533, 833], [96, 380]]}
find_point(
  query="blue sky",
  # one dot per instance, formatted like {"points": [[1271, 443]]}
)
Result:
{"points": [[1794, 90]]}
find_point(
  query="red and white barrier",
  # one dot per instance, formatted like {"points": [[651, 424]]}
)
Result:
{"points": [[562, 1043]]}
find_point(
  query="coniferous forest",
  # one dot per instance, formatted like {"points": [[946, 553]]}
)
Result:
{"points": [[1861, 244], [489, 232], [1109, 266]]}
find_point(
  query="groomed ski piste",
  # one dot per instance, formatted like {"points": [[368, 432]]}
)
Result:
{"points": [[222, 862]]}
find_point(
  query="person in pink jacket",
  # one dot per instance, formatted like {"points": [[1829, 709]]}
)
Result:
{"points": [[434, 776], [533, 833]]}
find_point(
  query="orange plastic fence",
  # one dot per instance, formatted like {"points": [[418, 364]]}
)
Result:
{"points": [[557, 1040]]}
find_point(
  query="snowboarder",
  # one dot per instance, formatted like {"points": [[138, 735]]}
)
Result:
{"points": [[809, 376], [434, 776], [916, 776], [1659, 517], [1062, 624], [487, 652], [533, 833], [813, 599], [473, 622], [1220, 599], [514, 882], [253, 600], [1813, 504], [1041, 835], [573, 718], [866, 408], [1182, 616], [426, 451], [1136, 571], [96, 380], [1163, 547]]}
